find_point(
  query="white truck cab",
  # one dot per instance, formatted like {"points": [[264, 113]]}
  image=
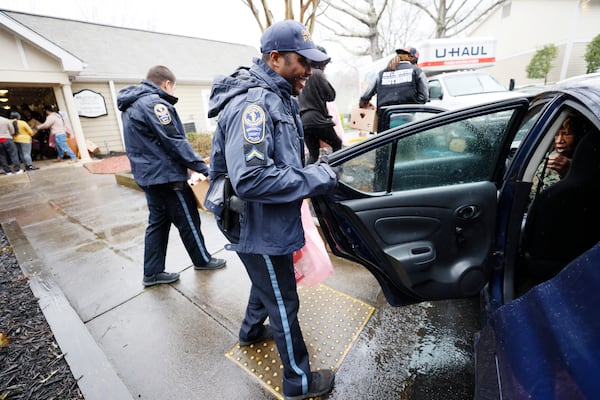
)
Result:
{"points": [[453, 90]]}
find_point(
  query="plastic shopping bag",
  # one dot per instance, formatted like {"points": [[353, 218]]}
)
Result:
{"points": [[312, 264]]}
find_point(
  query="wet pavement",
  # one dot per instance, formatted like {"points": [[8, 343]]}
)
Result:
{"points": [[80, 238]]}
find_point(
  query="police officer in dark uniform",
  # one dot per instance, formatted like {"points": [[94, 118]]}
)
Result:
{"points": [[259, 144], [160, 156], [401, 82]]}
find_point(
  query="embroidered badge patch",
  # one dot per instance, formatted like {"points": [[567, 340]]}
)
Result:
{"points": [[162, 113], [253, 122], [255, 154]]}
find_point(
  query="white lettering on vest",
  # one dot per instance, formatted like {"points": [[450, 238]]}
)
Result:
{"points": [[397, 77]]}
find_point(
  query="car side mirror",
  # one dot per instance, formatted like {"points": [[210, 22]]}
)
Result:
{"points": [[435, 92]]}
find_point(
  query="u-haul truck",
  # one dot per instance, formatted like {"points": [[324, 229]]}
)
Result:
{"points": [[452, 68], [442, 55]]}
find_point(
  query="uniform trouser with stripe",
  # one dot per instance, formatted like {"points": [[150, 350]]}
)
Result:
{"points": [[274, 294], [172, 203]]}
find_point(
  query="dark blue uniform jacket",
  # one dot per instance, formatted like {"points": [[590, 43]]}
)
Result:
{"points": [[155, 140], [259, 142]]}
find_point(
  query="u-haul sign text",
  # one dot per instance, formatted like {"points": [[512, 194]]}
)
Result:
{"points": [[449, 54]]}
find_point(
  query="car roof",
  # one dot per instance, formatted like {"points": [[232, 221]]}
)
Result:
{"points": [[585, 88], [579, 78]]}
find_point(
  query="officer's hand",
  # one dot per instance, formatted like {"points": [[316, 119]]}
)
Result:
{"points": [[325, 160]]}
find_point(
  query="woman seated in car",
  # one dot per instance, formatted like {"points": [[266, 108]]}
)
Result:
{"points": [[557, 164]]}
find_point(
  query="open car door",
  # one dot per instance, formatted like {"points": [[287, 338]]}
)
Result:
{"points": [[416, 204]]}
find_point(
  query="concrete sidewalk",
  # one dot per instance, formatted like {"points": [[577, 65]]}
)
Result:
{"points": [[80, 238]]}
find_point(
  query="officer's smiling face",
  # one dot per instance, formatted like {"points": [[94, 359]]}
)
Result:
{"points": [[294, 68]]}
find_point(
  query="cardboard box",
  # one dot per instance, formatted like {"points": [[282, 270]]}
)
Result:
{"points": [[364, 119], [199, 184], [92, 147]]}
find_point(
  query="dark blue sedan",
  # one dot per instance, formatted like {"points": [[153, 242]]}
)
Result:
{"points": [[443, 208]]}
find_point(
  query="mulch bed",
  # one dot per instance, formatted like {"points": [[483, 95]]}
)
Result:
{"points": [[109, 165], [32, 366]]}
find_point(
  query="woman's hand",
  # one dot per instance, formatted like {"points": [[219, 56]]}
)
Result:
{"points": [[560, 164]]}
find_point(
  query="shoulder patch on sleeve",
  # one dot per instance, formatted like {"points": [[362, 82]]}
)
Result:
{"points": [[162, 114], [253, 123], [255, 154]]}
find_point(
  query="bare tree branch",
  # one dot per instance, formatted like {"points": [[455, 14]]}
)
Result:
{"points": [[356, 19], [250, 5], [374, 27], [307, 11], [452, 17]]}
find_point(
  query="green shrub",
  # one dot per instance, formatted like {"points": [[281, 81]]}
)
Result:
{"points": [[541, 62], [592, 55], [201, 143]]}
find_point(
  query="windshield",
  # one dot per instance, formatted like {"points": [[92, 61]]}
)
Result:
{"points": [[462, 85]]}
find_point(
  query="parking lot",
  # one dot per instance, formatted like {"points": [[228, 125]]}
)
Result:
{"points": [[84, 234]]}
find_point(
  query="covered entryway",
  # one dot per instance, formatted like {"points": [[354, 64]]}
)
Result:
{"points": [[35, 73], [29, 102]]}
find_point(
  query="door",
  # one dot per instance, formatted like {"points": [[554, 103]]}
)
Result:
{"points": [[416, 204]]}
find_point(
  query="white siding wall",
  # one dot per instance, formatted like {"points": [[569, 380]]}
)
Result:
{"points": [[104, 130], [532, 24], [191, 107]]}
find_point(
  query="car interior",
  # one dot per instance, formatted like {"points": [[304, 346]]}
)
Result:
{"points": [[561, 221], [458, 162]]}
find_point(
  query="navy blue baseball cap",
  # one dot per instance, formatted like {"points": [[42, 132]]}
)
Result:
{"points": [[290, 35]]}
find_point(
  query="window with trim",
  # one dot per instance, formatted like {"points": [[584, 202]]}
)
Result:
{"points": [[460, 152]]}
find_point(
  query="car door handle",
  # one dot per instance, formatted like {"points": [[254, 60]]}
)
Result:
{"points": [[468, 212], [413, 255]]}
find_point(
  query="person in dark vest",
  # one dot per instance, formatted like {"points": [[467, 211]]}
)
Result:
{"points": [[401, 82]]}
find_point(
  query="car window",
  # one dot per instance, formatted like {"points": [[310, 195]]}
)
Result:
{"points": [[462, 85], [530, 118], [394, 116], [435, 89], [526, 124], [460, 152], [401, 118]]}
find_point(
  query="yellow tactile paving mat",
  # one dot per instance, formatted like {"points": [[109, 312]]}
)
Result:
{"points": [[330, 320]]}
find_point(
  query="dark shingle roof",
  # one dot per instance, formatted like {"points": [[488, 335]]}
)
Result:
{"points": [[124, 54]]}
